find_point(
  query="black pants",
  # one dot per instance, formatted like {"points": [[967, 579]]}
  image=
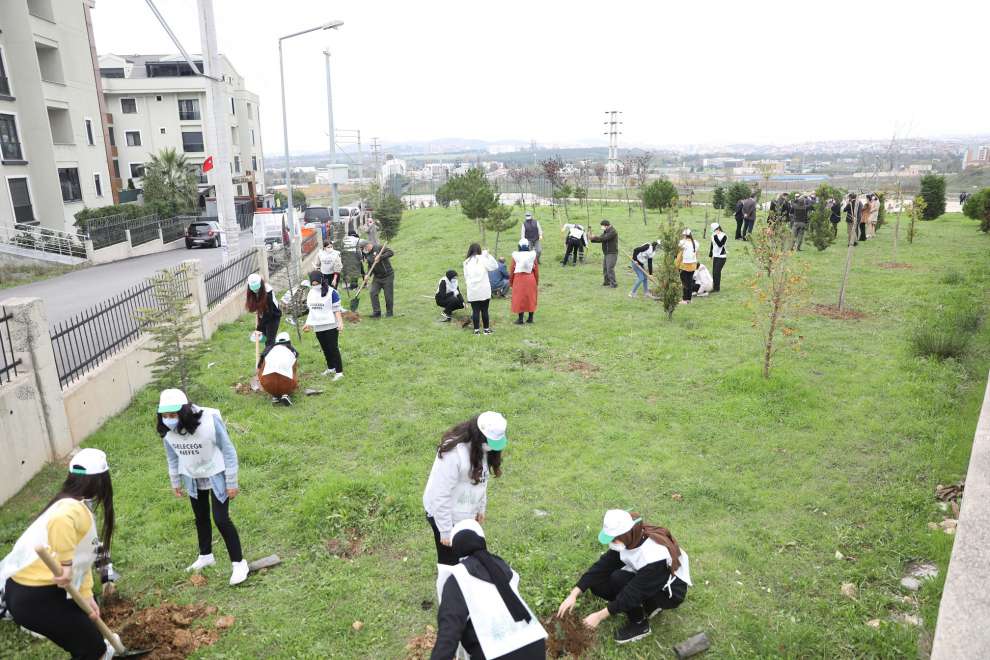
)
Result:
{"points": [[331, 352], [382, 284], [46, 611], [480, 307], [739, 228], [445, 553], [748, 226], [201, 509], [718, 263], [450, 303], [572, 248], [610, 587], [687, 283], [270, 329], [862, 230]]}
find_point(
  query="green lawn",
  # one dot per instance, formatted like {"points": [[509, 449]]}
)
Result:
{"points": [[12, 275], [840, 450]]}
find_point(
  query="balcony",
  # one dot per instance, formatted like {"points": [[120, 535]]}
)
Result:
{"points": [[113, 151], [108, 118]]}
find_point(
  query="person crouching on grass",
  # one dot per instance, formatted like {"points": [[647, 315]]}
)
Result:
{"points": [[260, 301], [457, 488], [326, 319], [687, 263], [278, 371], [203, 462], [524, 277], [643, 572], [480, 606], [37, 599], [448, 296]]}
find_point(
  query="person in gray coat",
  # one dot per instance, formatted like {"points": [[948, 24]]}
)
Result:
{"points": [[609, 239]]}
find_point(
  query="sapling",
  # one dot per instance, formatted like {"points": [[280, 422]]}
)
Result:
{"points": [[173, 328], [668, 275], [820, 229], [777, 282], [917, 212]]}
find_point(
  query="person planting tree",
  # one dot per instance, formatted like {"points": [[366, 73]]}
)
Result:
{"points": [[202, 461], [278, 370], [643, 572], [260, 301], [326, 319]]}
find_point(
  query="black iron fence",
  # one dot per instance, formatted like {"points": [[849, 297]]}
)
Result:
{"points": [[223, 279], [84, 341], [173, 228], [144, 230], [107, 231], [8, 361]]}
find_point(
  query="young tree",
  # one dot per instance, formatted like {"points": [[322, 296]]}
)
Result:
{"points": [[737, 191], [777, 282], [916, 213], [718, 198], [933, 192], [169, 183], [600, 173], [660, 195], [580, 193], [563, 192], [819, 227], [667, 273], [173, 328], [500, 219], [552, 172], [388, 213], [642, 164], [520, 177], [977, 207]]}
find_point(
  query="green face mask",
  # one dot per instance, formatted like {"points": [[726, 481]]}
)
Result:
{"points": [[498, 445], [254, 287]]}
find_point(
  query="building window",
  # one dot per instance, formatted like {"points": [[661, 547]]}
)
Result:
{"points": [[254, 163], [252, 137], [68, 178], [113, 138], [133, 138], [61, 125], [89, 132], [192, 142], [171, 69], [41, 9], [250, 111], [128, 106], [233, 108], [10, 144], [4, 81], [234, 136], [112, 72], [162, 130], [20, 199], [237, 164], [158, 97], [50, 63], [137, 170], [98, 182], [189, 110], [116, 168]]}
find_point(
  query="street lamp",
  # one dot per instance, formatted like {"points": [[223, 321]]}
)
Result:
{"points": [[296, 254]]}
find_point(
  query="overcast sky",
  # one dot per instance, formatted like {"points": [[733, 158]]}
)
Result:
{"points": [[683, 72]]}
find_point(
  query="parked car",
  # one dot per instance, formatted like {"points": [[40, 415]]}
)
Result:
{"points": [[205, 232], [317, 214]]}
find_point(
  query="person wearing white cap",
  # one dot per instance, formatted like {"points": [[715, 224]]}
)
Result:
{"points": [[687, 263], [477, 265], [532, 231], [260, 300], [718, 253], [278, 370], [642, 263], [643, 572], [480, 607], [574, 242], [326, 319], [202, 461], [457, 488], [36, 598]]}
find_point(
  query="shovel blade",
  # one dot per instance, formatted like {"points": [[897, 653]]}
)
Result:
{"points": [[354, 304]]}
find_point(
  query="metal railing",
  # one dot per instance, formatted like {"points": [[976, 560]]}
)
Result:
{"points": [[223, 279], [8, 361], [41, 239], [84, 341], [144, 230], [173, 228], [107, 231]]}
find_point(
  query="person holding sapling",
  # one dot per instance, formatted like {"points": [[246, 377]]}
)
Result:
{"points": [[643, 572], [260, 301], [480, 606], [203, 462], [37, 599], [574, 242], [457, 488], [326, 319], [718, 252], [687, 263]]}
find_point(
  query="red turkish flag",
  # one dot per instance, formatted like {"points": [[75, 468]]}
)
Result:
{"points": [[208, 164]]}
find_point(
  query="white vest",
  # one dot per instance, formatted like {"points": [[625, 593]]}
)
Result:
{"points": [[320, 308], [497, 632], [651, 552], [524, 261], [279, 360], [199, 456], [576, 232], [23, 554]]}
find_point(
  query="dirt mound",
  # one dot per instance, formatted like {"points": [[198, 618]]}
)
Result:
{"points": [[344, 549], [833, 312], [891, 265], [166, 628], [586, 369], [351, 317], [420, 646], [568, 636]]}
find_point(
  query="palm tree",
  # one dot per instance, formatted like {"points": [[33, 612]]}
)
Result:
{"points": [[170, 184]]}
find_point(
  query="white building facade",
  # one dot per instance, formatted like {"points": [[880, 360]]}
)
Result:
{"points": [[157, 102], [53, 153]]}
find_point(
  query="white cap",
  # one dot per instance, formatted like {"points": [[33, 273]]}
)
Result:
{"points": [[89, 461], [529, 216], [715, 226], [523, 242], [254, 281], [616, 523], [171, 400], [282, 338], [470, 525], [686, 232], [492, 424]]}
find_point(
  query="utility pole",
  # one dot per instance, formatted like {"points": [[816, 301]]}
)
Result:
{"points": [[333, 146], [613, 123], [374, 151]]}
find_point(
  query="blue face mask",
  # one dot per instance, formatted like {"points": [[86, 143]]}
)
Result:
{"points": [[171, 422]]}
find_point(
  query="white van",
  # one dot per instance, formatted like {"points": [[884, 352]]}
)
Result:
{"points": [[268, 228]]}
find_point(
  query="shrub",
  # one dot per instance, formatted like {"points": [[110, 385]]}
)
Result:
{"points": [[933, 190], [659, 195], [977, 207], [718, 198], [820, 228], [736, 192], [939, 342], [952, 277]]}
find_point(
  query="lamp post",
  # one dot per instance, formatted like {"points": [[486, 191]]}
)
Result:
{"points": [[333, 146], [293, 228]]}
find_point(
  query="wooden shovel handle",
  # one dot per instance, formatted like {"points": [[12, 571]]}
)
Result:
{"points": [[56, 569], [374, 263]]}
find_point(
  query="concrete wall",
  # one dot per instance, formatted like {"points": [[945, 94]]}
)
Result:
{"points": [[124, 250], [962, 630], [23, 414]]}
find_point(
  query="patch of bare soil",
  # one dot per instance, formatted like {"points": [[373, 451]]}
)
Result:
{"points": [[351, 317], [345, 549], [421, 646], [892, 265], [166, 628], [833, 312], [568, 636], [586, 369], [244, 388]]}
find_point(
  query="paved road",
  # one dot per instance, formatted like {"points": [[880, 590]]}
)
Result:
{"points": [[72, 293]]}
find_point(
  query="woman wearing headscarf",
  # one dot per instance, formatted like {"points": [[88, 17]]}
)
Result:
{"points": [[260, 300], [326, 319], [687, 263], [36, 598], [718, 252], [643, 572], [448, 295], [457, 488], [524, 278], [480, 606]]}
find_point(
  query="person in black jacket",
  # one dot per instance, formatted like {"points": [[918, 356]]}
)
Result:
{"points": [[448, 296], [382, 276], [739, 220], [260, 300], [609, 239], [718, 253], [643, 572], [480, 607], [834, 215]]}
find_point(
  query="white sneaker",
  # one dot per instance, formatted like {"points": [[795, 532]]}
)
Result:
{"points": [[337, 376], [329, 372], [239, 572], [201, 562]]}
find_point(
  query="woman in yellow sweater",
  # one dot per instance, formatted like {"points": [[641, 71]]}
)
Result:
{"points": [[37, 599]]}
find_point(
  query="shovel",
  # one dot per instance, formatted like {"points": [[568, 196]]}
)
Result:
{"points": [[255, 383], [113, 639], [357, 296]]}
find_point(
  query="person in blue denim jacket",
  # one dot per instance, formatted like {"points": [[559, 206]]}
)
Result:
{"points": [[499, 279]]}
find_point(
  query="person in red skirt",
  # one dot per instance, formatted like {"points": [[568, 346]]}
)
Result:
{"points": [[524, 276]]}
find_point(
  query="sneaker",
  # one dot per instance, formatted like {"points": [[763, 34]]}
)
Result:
{"points": [[446, 319], [329, 372], [201, 562], [239, 572], [489, 331], [388, 315], [338, 376], [275, 400], [632, 632], [477, 333], [518, 321], [377, 315], [285, 400]]}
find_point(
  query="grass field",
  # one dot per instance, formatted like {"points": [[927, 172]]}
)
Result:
{"points": [[609, 405]]}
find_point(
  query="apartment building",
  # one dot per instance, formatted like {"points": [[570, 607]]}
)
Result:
{"points": [[157, 101], [53, 155]]}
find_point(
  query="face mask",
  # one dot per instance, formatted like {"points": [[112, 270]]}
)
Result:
{"points": [[254, 287], [171, 422], [617, 546]]}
